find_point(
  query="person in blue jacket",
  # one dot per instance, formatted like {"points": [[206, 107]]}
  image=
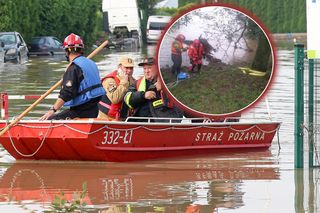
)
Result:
{"points": [[81, 88]]}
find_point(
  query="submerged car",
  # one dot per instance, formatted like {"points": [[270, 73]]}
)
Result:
{"points": [[15, 48], [1, 52], [45, 45]]}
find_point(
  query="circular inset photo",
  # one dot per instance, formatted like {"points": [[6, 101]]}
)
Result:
{"points": [[215, 60]]}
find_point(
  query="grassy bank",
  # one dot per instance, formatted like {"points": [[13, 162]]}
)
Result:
{"points": [[288, 45], [218, 89], [286, 41]]}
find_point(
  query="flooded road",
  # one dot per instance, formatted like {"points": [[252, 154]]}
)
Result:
{"points": [[263, 181]]}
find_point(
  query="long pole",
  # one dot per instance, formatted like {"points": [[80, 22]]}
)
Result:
{"points": [[24, 113], [298, 105], [299, 190], [311, 111]]}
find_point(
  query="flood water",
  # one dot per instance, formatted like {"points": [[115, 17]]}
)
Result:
{"points": [[263, 181]]}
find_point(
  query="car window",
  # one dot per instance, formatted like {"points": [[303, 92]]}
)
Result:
{"points": [[8, 38], [50, 42], [43, 41], [36, 40], [157, 25], [57, 42]]}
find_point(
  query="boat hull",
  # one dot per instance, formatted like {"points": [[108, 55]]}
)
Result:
{"points": [[95, 140]]}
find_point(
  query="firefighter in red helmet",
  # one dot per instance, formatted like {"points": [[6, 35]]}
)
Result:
{"points": [[81, 87], [196, 53], [176, 51]]}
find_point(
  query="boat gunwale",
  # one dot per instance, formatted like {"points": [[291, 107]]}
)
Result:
{"points": [[178, 148], [130, 123]]}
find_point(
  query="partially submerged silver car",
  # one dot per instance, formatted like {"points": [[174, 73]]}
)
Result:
{"points": [[1, 52], [15, 48]]}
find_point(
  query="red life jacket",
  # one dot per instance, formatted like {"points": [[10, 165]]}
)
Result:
{"points": [[105, 105], [196, 53]]}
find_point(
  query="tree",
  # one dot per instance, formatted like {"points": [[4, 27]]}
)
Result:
{"points": [[147, 8], [52, 17], [262, 56], [4, 15], [279, 16]]}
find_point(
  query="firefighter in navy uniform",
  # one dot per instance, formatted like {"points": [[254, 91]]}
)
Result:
{"points": [[81, 88], [116, 85], [145, 96]]}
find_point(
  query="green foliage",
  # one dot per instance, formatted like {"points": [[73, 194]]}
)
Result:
{"points": [[166, 11], [182, 3], [278, 16], [61, 204], [185, 8], [147, 8], [4, 15], [52, 17]]}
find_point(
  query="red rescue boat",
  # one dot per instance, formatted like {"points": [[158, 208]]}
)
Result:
{"points": [[100, 140]]}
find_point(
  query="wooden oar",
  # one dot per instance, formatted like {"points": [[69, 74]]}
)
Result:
{"points": [[46, 94]]}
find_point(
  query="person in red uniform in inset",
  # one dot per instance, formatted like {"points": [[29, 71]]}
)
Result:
{"points": [[176, 51], [196, 53]]}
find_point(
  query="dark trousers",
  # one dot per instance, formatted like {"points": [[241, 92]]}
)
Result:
{"points": [[177, 61], [198, 69], [86, 110]]}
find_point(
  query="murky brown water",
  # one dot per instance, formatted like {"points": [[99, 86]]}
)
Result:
{"points": [[263, 181]]}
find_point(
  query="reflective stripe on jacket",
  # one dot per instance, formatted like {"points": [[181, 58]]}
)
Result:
{"points": [[90, 86], [141, 85]]}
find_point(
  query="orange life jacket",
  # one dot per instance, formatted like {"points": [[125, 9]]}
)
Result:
{"points": [[176, 47]]}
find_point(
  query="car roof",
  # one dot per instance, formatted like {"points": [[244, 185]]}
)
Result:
{"points": [[9, 33], [159, 18], [37, 37], [43, 36]]}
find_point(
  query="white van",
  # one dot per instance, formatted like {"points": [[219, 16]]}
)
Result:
{"points": [[155, 26]]}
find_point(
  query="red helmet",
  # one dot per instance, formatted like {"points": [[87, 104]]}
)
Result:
{"points": [[196, 42], [73, 41], [180, 37]]}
